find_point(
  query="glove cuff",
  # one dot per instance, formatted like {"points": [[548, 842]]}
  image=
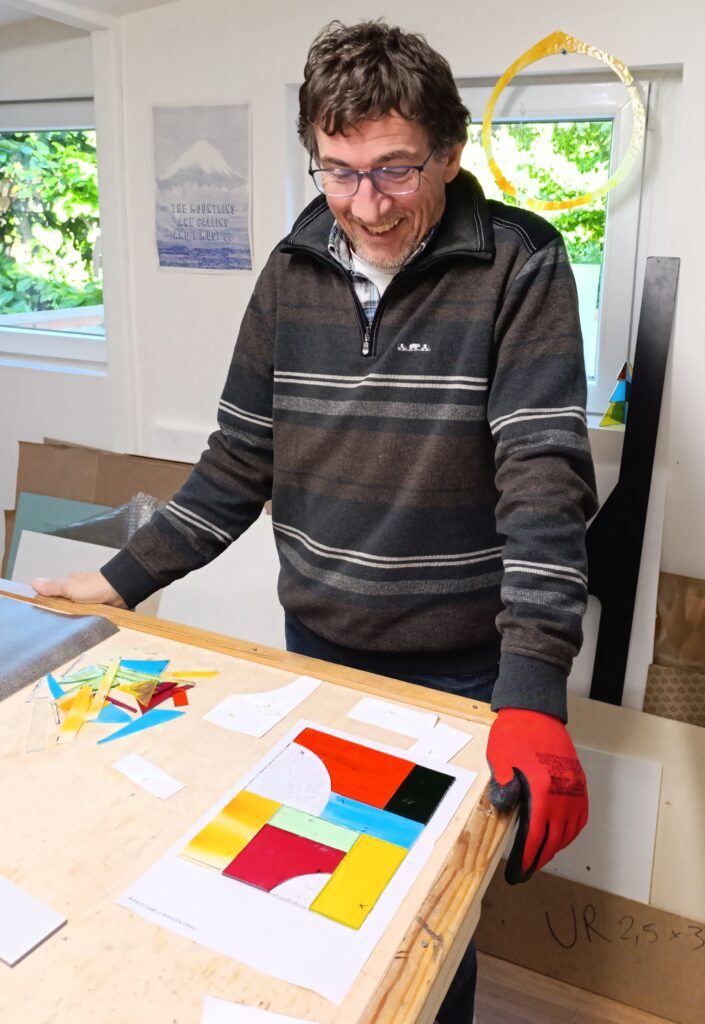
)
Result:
{"points": [[532, 685]]}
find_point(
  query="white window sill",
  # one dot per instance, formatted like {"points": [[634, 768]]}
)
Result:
{"points": [[593, 422], [54, 351]]}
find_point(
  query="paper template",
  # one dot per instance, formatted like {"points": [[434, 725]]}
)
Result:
{"points": [[148, 776], [24, 922], [220, 1011], [256, 713], [320, 947], [393, 716], [440, 744]]}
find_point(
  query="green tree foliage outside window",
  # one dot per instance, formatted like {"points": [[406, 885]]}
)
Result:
{"points": [[49, 221], [552, 160]]}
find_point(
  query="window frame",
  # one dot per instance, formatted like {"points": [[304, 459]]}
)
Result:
{"points": [[19, 344], [580, 97]]}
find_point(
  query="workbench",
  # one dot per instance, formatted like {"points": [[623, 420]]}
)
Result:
{"points": [[76, 834]]}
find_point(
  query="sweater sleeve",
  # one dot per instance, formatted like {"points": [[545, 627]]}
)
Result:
{"points": [[545, 479], [227, 487]]}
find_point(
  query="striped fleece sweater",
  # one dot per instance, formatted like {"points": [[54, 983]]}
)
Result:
{"points": [[430, 472]]}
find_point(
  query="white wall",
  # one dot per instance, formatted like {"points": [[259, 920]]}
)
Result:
{"points": [[184, 325], [40, 59]]}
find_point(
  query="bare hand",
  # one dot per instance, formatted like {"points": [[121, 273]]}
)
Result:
{"points": [[85, 587]]}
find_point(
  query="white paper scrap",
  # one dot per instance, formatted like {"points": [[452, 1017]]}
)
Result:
{"points": [[148, 776], [24, 922], [256, 713], [220, 1011], [392, 716], [440, 744]]}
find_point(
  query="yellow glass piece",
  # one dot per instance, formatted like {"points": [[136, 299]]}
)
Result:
{"points": [[142, 691], [127, 697], [103, 690], [66, 703], [193, 675], [560, 42], [358, 881], [231, 830], [76, 716]]}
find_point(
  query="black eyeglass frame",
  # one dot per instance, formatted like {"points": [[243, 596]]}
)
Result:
{"points": [[419, 168]]}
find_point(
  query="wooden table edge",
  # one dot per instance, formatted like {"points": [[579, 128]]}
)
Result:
{"points": [[412, 989]]}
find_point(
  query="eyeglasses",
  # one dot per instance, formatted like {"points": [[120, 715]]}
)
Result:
{"points": [[401, 180]]}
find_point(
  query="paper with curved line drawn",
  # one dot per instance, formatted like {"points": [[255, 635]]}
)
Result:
{"points": [[255, 713]]}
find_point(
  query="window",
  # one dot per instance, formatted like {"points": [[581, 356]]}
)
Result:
{"points": [[51, 295], [566, 133], [553, 139]]}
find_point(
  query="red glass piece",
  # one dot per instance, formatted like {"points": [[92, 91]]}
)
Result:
{"points": [[274, 856], [358, 772]]}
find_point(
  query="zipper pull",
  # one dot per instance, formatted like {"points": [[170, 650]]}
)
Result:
{"points": [[366, 342]]}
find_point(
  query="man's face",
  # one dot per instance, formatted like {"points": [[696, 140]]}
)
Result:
{"points": [[386, 230]]}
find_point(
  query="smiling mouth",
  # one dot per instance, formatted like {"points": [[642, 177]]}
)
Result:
{"points": [[381, 229]]}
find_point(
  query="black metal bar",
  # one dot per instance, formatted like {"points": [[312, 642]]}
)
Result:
{"points": [[616, 535]]}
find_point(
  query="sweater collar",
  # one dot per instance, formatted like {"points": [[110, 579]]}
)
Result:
{"points": [[465, 229]]}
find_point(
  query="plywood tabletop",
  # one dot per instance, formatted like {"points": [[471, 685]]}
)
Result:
{"points": [[77, 833]]}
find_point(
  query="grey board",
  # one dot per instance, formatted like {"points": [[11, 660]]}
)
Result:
{"points": [[34, 641]]}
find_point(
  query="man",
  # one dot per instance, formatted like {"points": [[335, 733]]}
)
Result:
{"points": [[408, 388]]}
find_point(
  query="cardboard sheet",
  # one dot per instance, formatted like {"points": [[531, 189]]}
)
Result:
{"points": [[618, 948]]}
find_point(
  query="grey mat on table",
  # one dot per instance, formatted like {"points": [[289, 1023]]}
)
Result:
{"points": [[34, 641]]}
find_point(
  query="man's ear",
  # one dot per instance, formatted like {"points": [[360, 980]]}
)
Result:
{"points": [[452, 161]]}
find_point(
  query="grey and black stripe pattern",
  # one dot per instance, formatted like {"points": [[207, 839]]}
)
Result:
{"points": [[430, 493]]}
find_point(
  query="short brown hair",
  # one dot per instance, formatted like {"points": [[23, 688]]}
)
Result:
{"points": [[359, 72]]}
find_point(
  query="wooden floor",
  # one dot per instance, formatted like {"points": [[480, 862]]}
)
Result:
{"points": [[507, 994]]}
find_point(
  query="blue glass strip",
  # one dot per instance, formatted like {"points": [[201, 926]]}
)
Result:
{"points": [[341, 810], [149, 668]]}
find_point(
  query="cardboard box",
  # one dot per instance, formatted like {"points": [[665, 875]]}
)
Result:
{"points": [[626, 951], [79, 473]]}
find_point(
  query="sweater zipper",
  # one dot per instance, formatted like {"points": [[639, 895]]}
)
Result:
{"points": [[369, 331]]}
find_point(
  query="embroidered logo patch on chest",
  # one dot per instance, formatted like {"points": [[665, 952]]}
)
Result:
{"points": [[413, 347]]}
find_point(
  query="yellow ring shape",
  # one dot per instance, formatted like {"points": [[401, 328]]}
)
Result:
{"points": [[559, 42]]}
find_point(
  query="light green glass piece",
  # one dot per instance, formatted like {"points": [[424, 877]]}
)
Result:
{"points": [[310, 827]]}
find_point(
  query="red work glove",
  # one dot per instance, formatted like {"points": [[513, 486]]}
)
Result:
{"points": [[533, 760]]}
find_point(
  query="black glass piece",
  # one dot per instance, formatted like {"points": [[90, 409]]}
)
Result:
{"points": [[420, 794]]}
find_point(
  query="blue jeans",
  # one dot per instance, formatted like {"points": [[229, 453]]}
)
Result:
{"points": [[459, 1003]]}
